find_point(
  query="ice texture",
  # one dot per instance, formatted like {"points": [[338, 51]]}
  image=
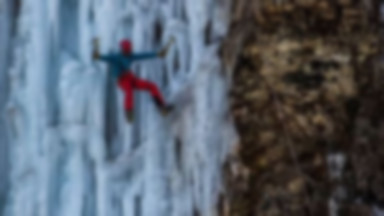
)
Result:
{"points": [[72, 153]]}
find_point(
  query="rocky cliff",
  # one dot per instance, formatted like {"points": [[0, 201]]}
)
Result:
{"points": [[306, 98]]}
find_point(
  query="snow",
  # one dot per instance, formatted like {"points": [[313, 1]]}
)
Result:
{"points": [[73, 152]]}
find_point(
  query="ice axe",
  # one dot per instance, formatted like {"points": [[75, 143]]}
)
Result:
{"points": [[163, 52]]}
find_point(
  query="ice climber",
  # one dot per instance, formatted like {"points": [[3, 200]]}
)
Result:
{"points": [[120, 64]]}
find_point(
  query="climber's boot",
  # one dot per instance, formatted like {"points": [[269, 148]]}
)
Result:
{"points": [[129, 115], [166, 109]]}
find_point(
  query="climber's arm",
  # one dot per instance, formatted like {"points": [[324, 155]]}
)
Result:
{"points": [[109, 58], [113, 63], [144, 56]]}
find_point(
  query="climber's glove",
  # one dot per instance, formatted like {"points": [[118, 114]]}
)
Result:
{"points": [[95, 52], [162, 53], [95, 55]]}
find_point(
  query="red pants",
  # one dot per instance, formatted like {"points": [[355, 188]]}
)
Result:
{"points": [[128, 83]]}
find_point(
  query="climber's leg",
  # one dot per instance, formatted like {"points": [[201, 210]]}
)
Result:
{"points": [[125, 83], [152, 89]]}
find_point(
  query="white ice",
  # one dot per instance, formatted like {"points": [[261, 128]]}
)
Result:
{"points": [[72, 152]]}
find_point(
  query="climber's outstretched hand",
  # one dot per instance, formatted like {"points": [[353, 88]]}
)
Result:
{"points": [[163, 52], [95, 52]]}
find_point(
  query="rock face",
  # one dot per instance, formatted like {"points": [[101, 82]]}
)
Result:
{"points": [[307, 88], [72, 152]]}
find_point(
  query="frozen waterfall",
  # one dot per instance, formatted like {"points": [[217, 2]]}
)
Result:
{"points": [[5, 34], [72, 152]]}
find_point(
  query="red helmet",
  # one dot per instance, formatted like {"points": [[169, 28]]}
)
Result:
{"points": [[126, 46]]}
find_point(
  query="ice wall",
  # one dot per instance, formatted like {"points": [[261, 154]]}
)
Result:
{"points": [[5, 34], [72, 151]]}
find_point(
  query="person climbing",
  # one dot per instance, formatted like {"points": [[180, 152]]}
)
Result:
{"points": [[120, 64]]}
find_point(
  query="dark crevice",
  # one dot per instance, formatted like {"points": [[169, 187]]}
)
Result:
{"points": [[138, 206], [179, 152], [305, 81], [208, 33], [158, 32], [176, 62], [111, 120]]}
